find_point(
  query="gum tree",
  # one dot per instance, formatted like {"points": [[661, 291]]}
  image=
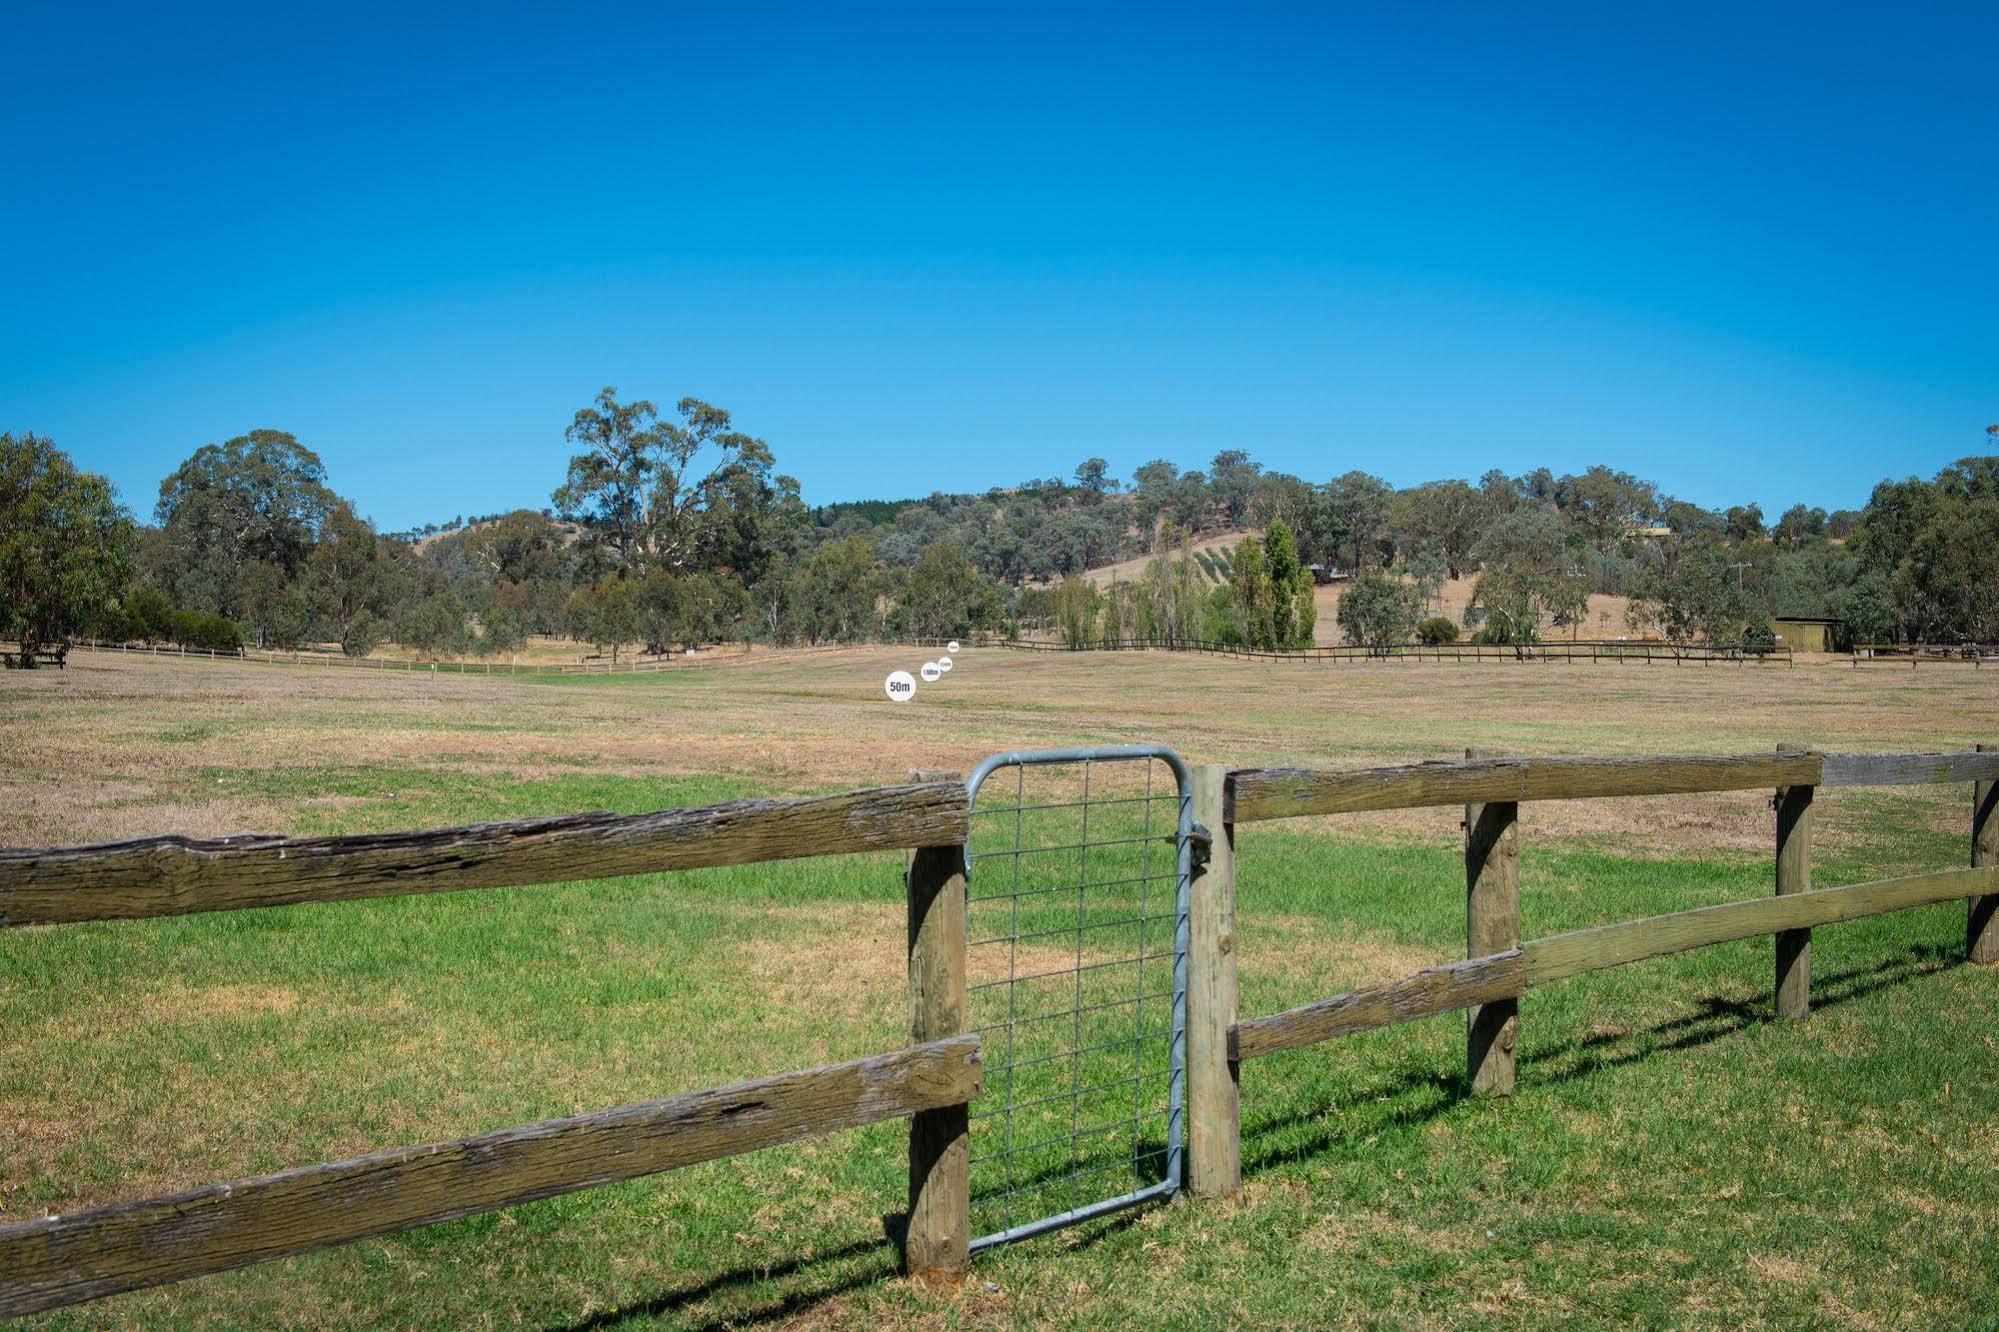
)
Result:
{"points": [[65, 545]]}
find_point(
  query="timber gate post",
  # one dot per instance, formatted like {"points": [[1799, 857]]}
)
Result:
{"points": [[1981, 934], [937, 1244], [1492, 925], [1794, 875], [1214, 1102]]}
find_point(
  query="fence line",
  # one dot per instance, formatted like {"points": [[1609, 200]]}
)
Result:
{"points": [[639, 665], [1490, 982], [53, 1261], [1593, 650]]}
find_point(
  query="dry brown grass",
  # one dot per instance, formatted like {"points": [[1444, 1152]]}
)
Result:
{"points": [[116, 747]]}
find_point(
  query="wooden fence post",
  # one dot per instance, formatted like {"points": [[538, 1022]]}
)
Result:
{"points": [[1214, 1105], [937, 1245], [1794, 875], [1981, 932], [1492, 925]]}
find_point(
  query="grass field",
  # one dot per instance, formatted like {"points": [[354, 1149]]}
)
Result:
{"points": [[1672, 1157]]}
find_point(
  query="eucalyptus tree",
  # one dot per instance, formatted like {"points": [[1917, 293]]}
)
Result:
{"points": [[258, 499], [65, 545]]}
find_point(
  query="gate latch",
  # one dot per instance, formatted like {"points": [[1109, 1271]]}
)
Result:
{"points": [[1200, 843]]}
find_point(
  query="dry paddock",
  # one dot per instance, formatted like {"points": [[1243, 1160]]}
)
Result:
{"points": [[120, 747]]}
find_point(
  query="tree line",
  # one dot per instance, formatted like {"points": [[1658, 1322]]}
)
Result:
{"points": [[673, 528]]}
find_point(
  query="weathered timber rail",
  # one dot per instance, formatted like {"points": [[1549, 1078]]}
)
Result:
{"points": [[1277, 793], [59, 1260], [1481, 980], [170, 876]]}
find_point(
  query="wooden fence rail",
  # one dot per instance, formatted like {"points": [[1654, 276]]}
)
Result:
{"points": [[57, 1260], [1484, 980], [1279, 793], [170, 876]]}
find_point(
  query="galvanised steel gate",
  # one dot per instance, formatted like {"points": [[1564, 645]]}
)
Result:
{"points": [[1076, 935]]}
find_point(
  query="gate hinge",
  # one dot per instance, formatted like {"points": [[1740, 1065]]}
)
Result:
{"points": [[1200, 843]]}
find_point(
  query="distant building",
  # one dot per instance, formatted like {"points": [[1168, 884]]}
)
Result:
{"points": [[1808, 633]]}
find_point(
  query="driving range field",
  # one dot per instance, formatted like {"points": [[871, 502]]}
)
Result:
{"points": [[1671, 1155]]}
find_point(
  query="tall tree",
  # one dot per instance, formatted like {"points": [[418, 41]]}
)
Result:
{"points": [[609, 485], [684, 494], [257, 499], [1094, 479], [65, 545]]}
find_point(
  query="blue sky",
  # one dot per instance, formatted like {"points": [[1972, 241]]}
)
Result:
{"points": [[1748, 251]]}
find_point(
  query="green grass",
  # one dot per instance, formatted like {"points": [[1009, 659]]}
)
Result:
{"points": [[1672, 1156]]}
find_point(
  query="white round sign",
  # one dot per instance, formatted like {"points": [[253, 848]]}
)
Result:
{"points": [[952, 647], [943, 663], [901, 686], [931, 672]]}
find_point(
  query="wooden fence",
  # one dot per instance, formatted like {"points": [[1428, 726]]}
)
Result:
{"points": [[1499, 967], [1596, 651], [49, 1262], [58, 1260], [640, 664], [1615, 652]]}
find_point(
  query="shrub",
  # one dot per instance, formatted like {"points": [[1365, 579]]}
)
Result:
{"points": [[364, 631], [199, 629], [1437, 631]]}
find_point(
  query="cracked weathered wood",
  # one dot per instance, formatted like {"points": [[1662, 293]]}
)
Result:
{"points": [[1793, 993], [170, 876], [1558, 957], [937, 1242], [1981, 922], [1910, 769], [1277, 793], [1492, 925], [58, 1260]]}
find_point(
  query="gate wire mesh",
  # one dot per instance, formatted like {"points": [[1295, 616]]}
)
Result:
{"points": [[1076, 941]]}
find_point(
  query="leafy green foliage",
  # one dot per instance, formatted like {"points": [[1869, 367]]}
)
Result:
{"points": [[237, 523], [1378, 610], [1437, 631], [64, 545]]}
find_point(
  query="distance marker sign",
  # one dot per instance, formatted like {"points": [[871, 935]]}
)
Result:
{"points": [[901, 686], [932, 672]]}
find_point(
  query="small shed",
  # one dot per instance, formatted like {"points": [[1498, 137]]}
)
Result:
{"points": [[1807, 633]]}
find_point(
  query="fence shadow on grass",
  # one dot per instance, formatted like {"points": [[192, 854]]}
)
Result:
{"points": [[820, 1276], [1713, 1018], [834, 1272]]}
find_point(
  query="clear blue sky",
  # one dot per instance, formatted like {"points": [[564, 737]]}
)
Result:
{"points": [[1751, 251]]}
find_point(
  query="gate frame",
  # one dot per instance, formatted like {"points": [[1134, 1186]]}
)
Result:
{"points": [[1187, 834]]}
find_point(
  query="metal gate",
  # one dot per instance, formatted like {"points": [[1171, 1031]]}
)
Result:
{"points": [[1076, 941]]}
